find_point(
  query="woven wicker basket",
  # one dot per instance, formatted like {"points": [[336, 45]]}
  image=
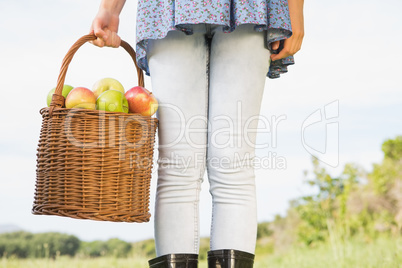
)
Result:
{"points": [[93, 164]]}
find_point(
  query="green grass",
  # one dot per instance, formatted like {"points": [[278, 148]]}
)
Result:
{"points": [[380, 253], [66, 262]]}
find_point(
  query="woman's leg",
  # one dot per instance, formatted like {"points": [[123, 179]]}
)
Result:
{"points": [[239, 63], [178, 67]]}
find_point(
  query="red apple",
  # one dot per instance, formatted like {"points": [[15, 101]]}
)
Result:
{"points": [[141, 101], [81, 97]]}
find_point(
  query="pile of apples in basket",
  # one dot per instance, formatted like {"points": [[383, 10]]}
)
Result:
{"points": [[109, 95]]}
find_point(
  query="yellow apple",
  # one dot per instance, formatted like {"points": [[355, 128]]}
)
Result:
{"points": [[105, 84]]}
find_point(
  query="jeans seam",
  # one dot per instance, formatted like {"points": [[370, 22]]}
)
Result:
{"points": [[196, 220], [208, 31], [208, 40], [203, 168]]}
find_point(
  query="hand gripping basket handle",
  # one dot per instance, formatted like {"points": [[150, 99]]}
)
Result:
{"points": [[57, 98]]}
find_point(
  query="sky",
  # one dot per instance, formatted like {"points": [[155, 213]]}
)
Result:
{"points": [[341, 100]]}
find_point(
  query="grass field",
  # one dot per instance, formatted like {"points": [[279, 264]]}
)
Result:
{"points": [[381, 253]]}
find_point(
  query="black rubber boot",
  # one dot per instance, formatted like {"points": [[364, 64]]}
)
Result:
{"points": [[175, 261], [230, 258]]}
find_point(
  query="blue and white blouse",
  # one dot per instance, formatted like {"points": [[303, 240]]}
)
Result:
{"points": [[155, 18]]}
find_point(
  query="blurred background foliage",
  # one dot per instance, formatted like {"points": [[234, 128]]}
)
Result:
{"points": [[355, 205]]}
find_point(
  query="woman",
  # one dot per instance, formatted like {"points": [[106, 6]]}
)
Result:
{"points": [[208, 61]]}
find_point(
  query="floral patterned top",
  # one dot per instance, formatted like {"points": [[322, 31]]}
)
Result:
{"points": [[155, 18]]}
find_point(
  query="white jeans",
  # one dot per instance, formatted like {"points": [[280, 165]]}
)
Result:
{"points": [[209, 86]]}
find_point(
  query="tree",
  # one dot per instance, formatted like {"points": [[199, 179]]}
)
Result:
{"points": [[328, 205], [263, 230], [385, 174], [25, 244], [113, 247], [15, 244], [118, 248], [53, 244], [393, 149]]}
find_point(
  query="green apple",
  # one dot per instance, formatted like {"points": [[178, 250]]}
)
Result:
{"points": [[105, 84], [112, 101], [81, 97], [65, 91]]}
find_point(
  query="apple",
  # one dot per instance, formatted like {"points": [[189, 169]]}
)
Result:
{"points": [[105, 84], [112, 101], [65, 91], [141, 101], [81, 97]]}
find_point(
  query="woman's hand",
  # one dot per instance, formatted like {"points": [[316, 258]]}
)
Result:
{"points": [[293, 43], [106, 23]]}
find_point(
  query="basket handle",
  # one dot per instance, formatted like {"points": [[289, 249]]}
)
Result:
{"points": [[57, 98]]}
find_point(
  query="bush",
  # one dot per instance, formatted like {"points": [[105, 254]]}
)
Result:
{"points": [[113, 247], [25, 244]]}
